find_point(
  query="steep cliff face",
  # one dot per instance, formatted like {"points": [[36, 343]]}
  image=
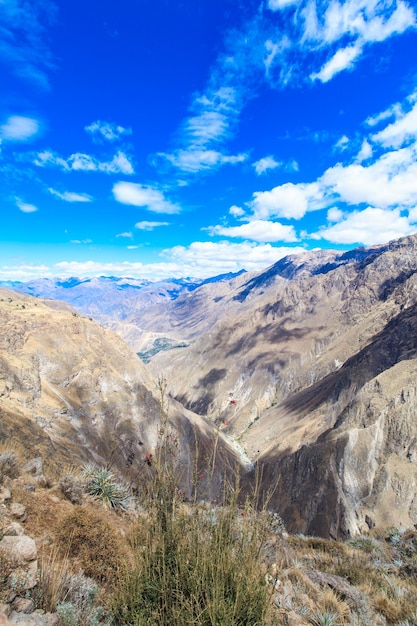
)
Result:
{"points": [[73, 392]]}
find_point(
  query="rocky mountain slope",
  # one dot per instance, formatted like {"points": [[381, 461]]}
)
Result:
{"points": [[72, 392], [312, 365], [116, 302]]}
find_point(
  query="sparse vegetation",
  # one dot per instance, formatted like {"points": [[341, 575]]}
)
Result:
{"points": [[160, 344], [194, 564], [180, 562], [9, 464]]}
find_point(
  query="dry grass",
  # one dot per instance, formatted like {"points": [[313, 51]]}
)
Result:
{"points": [[92, 543], [179, 563], [54, 569]]}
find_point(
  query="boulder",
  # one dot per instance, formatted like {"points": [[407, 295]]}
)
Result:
{"points": [[18, 511], [20, 549], [14, 530]]}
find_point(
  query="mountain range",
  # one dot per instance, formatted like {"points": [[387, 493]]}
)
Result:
{"points": [[308, 366]]}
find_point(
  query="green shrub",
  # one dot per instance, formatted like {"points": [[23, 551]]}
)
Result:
{"points": [[193, 564], [101, 484]]}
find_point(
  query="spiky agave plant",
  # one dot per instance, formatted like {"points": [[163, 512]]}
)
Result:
{"points": [[102, 484], [325, 618]]}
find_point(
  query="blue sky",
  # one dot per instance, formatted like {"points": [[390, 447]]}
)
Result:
{"points": [[151, 138]]}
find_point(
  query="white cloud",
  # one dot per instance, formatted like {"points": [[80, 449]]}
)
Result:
{"points": [[388, 182], [393, 111], [125, 235], [150, 225], [199, 260], [380, 179], [47, 158], [363, 20], [209, 258], [369, 227], [276, 5], [365, 152], [79, 242], [19, 128], [402, 130], [236, 211], [342, 143], [288, 201], [315, 40], [144, 196], [70, 196], [80, 162], [334, 215], [194, 161], [292, 166], [106, 131], [412, 215], [265, 164], [261, 231], [342, 59], [25, 207]]}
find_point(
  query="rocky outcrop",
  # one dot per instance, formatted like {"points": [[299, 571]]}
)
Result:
{"points": [[19, 570]]}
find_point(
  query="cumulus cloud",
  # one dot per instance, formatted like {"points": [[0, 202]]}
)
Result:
{"points": [[19, 128], [261, 231], [149, 225], [25, 207], [81, 162], [265, 164], [106, 131], [144, 196], [389, 181], [204, 258], [289, 200], [382, 175], [236, 211], [70, 196], [365, 152], [369, 227]]}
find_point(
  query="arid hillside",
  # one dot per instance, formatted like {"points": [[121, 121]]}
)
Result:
{"points": [[74, 392], [307, 370]]}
